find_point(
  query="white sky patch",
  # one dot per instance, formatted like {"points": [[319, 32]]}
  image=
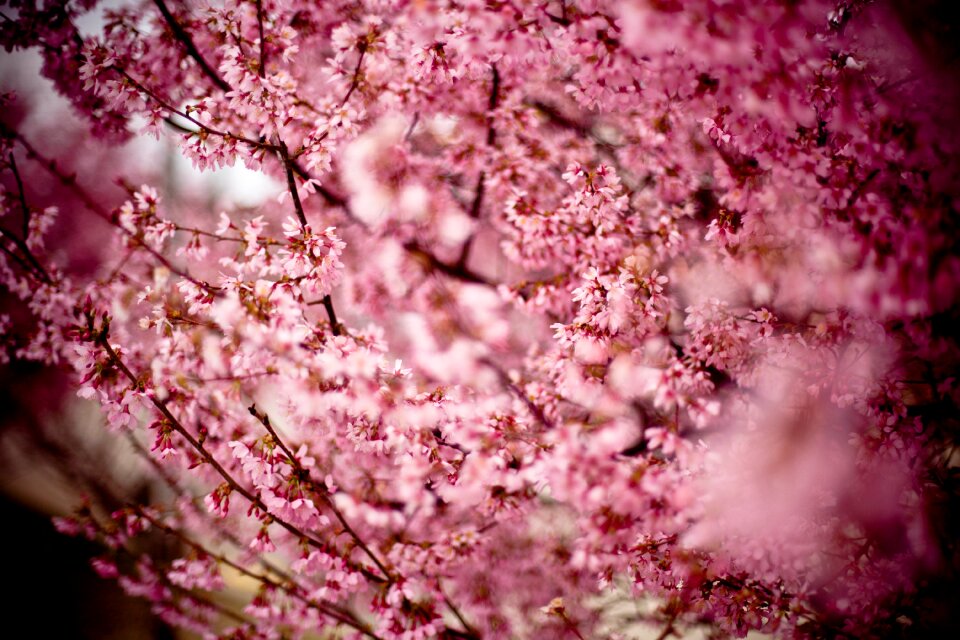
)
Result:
{"points": [[244, 187]]}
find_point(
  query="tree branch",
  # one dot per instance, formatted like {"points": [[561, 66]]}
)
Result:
{"points": [[22, 196], [184, 38], [70, 181], [517, 391], [262, 70], [469, 631], [291, 182], [457, 271], [301, 216], [202, 127], [478, 192], [28, 261], [207, 457], [323, 606], [34, 265], [321, 490], [191, 596], [331, 315], [492, 104], [356, 73]]}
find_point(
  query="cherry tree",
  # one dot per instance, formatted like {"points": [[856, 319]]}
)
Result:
{"points": [[562, 303]]}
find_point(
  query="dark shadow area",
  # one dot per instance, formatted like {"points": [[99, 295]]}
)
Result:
{"points": [[52, 592]]}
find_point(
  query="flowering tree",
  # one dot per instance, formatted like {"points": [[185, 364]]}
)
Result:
{"points": [[561, 299]]}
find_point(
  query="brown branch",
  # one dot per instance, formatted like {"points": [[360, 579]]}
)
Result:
{"points": [[265, 242], [186, 116], [303, 474], [323, 606], [29, 261], [412, 127], [558, 118], [198, 507], [184, 38], [182, 592], [22, 197], [291, 182], [492, 104], [457, 271], [356, 73], [859, 191], [669, 629], [16, 257], [248, 376], [562, 19], [207, 457], [264, 419], [22, 244], [70, 181], [426, 258], [292, 186], [456, 633], [477, 198], [262, 70], [331, 315], [165, 580], [571, 626], [582, 129], [216, 606], [469, 631], [332, 198], [475, 214], [179, 127], [478, 192], [517, 391], [741, 165]]}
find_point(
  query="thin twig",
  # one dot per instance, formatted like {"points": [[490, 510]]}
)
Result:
{"points": [[332, 315], [34, 265], [325, 607], [198, 507], [70, 181], [291, 183], [22, 195], [517, 391], [186, 116], [571, 626], [861, 188], [457, 271], [262, 70], [304, 475], [298, 206], [469, 630], [207, 457], [16, 257], [669, 629], [492, 104], [184, 38], [356, 74], [478, 192]]}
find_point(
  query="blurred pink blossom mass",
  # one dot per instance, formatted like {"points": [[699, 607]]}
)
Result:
{"points": [[517, 311]]}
